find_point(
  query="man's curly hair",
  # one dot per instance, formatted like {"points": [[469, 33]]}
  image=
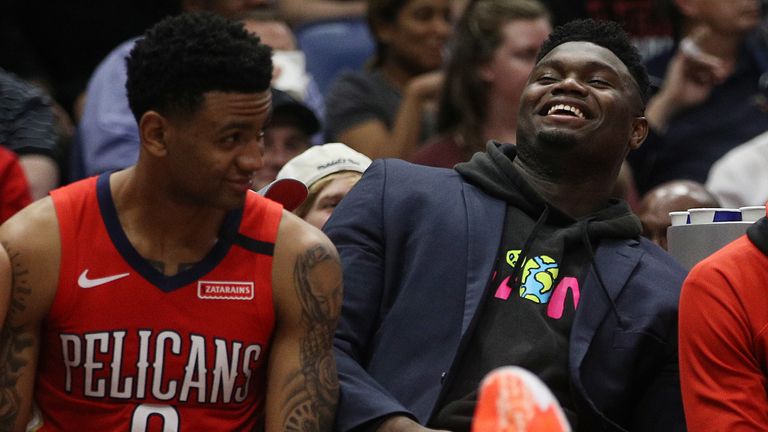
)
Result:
{"points": [[183, 57], [607, 34]]}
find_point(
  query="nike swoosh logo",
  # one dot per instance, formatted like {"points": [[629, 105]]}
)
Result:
{"points": [[84, 282]]}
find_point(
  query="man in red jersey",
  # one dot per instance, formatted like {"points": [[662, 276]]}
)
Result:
{"points": [[168, 296]]}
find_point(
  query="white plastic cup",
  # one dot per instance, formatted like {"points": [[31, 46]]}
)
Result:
{"points": [[679, 218], [752, 213], [712, 215]]}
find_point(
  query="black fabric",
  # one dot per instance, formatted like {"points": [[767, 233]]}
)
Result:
{"points": [[525, 319], [757, 233], [253, 245]]}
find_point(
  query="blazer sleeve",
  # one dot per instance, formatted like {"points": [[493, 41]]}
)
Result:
{"points": [[661, 406], [356, 229]]}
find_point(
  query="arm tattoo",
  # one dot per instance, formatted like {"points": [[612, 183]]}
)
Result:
{"points": [[314, 388], [12, 344]]}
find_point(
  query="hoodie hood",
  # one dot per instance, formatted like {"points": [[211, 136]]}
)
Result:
{"points": [[553, 232], [493, 172]]}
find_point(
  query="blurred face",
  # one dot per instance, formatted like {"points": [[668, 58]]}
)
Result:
{"points": [[669, 197], [213, 154], [727, 17], [580, 104], [417, 37], [514, 58], [282, 142], [329, 198]]}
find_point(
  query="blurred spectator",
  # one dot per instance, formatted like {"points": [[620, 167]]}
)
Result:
{"points": [[710, 98], [107, 136], [677, 195], [332, 33], [28, 126], [329, 172], [493, 52], [303, 11], [290, 73], [285, 136], [380, 112], [14, 191], [740, 178]]}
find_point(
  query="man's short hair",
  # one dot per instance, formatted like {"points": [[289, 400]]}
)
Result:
{"points": [[183, 57], [607, 34]]}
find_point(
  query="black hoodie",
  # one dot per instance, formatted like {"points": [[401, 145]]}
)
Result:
{"points": [[526, 314]]}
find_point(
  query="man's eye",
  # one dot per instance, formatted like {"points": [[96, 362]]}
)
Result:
{"points": [[546, 79], [599, 82]]}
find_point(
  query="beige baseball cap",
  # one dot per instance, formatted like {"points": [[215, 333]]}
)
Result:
{"points": [[323, 160]]}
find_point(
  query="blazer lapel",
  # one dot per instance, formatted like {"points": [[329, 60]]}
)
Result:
{"points": [[485, 222], [615, 260]]}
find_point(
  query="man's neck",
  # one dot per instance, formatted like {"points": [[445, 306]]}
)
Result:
{"points": [[576, 198], [160, 227]]}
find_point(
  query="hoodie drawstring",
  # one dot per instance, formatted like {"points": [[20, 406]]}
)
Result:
{"points": [[588, 245], [513, 282]]}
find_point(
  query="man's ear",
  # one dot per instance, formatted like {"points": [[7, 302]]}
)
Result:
{"points": [[153, 132], [639, 132]]}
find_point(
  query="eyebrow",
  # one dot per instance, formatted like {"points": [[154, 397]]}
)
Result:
{"points": [[235, 125], [591, 64]]}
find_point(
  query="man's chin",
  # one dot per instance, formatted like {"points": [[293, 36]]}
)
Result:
{"points": [[554, 139]]}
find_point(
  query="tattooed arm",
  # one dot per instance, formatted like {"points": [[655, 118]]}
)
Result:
{"points": [[28, 277], [302, 382]]}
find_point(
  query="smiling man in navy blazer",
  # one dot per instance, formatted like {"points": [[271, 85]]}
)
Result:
{"points": [[518, 257]]}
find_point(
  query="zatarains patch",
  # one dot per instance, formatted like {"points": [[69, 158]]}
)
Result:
{"points": [[218, 290]]}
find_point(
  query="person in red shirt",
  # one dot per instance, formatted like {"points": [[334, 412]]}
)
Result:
{"points": [[14, 189], [723, 338]]}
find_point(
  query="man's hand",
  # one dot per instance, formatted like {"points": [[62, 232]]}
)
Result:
{"points": [[403, 424]]}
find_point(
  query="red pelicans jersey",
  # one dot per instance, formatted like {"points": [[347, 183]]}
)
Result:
{"points": [[127, 348]]}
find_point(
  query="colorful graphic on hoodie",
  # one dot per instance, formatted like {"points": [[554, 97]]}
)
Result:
{"points": [[539, 275]]}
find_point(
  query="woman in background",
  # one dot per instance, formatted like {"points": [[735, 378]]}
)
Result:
{"points": [[493, 52], [381, 111]]}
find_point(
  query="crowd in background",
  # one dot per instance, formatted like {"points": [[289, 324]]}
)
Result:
{"points": [[417, 80], [432, 82]]}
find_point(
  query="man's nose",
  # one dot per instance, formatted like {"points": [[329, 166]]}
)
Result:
{"points": [[252, 158], [571, 85]]}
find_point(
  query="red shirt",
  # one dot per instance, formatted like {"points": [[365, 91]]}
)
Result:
{"points": [[724, 340], [14, 190], [128, 348]]}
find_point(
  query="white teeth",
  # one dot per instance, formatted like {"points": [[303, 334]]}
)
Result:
{"points": [[568, 108]]}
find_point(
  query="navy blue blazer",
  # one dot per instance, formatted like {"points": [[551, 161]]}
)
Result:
{"points": [[418, 245]]}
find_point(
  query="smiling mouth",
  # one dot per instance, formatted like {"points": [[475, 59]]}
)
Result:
{"points": [[564, 109]]}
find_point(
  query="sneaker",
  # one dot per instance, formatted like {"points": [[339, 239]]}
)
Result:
{"points": [[515, 400]]}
